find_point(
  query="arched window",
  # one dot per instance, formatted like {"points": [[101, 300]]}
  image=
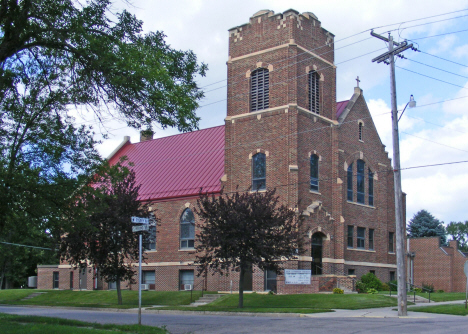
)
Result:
{"points": [[360, 181], [259, 89], [316, 253], [371, 188], [314, 79], [187, 229], [360, 131], [350, 182], [314, 172], [259, 172]]}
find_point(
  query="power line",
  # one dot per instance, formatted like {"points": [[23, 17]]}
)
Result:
{"points": [[455, 148], [427, 76], [20, 245], [415, 61], [364, 31], [380, 172], [432, 22], [295, 77], [450, 61]]}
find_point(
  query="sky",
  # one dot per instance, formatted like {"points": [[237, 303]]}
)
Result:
{"points": [[435, 132]]}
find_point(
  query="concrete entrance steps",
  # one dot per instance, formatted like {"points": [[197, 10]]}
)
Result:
{"points": [[32, 295], [206, 299]]}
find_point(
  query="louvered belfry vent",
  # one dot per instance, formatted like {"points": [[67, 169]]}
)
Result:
{"points": [[259, 89], [314, 92]]}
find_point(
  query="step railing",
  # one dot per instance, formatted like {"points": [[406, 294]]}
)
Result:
{"points": [[411, 288], [194, 287]]}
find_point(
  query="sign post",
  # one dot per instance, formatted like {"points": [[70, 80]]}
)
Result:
{"points": [[465, 269], [140, 228]]}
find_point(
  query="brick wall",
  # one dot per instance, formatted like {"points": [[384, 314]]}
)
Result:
{"points": [[438, 265]]}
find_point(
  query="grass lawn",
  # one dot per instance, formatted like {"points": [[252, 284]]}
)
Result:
{"points": [[303, 303], [38, 325], [97, 298], [457, 309]]}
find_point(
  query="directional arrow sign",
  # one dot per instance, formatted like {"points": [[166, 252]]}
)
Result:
{"points": [[139, 220], [140, 228]]}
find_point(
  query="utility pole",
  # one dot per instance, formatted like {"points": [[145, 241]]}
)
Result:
{"points": [[389, 58]]}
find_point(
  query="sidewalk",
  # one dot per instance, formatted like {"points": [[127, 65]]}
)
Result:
{"points": [[385, 312]]}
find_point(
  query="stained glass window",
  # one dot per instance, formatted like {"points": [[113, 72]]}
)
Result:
{"points": [[259, 172], [314, 173], [187, 229]]}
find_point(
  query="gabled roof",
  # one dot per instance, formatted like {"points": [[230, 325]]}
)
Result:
{"points": [[177, 166], [340, 107]]}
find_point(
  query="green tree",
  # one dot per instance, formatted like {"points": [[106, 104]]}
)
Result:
{"points": [[101, 232], [423, 224], [459, 231], [240, 230], [56, 55]]}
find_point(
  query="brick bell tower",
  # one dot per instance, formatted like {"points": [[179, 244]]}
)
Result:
{"points": [[281, 116]]}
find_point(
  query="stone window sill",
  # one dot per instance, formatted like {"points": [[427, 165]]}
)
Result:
{"points": [[359, 204], [186, 249], [315, 192], [361, 250]]}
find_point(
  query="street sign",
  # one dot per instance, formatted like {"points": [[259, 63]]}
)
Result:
{"points": [[465, 269], [139, 220], [140, 228]]}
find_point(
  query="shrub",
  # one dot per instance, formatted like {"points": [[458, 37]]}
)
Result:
{"points": [[419, 290], [338, 291], [440, 291], [428, 287], [372, 291], [371, 281], [385, 287]]}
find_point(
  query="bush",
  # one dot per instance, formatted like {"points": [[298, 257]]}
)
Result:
{"points": [[428, 287], [338, 291], [371, 282], [419, 290], [440, 291], [360, 287], [393, 285], [372, 291], [385, 287]]}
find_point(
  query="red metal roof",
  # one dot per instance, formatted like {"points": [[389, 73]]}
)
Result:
{"points": [[178, 165], [340, 106]]}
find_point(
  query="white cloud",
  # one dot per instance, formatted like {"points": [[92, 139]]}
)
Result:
{"points": [[444, 44], [461, 51]]}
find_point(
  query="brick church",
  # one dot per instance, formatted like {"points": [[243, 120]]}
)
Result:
{"points": [[284, 129]]}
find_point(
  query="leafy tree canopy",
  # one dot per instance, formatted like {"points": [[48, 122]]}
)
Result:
{"points": [[60, 56], [423, 224], [459, 231], [101, 231], [243, 229]]}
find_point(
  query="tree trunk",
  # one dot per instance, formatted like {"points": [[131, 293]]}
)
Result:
{"points": [[241, 287], [119, 292]]}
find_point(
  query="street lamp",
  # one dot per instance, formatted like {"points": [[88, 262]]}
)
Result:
{"points": [[411, 103]]}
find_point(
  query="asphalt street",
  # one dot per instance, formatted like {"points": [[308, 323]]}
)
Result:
{"points": [[363, 321]]}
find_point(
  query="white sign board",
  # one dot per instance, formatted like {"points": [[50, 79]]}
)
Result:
{"points": [[296, 276], [140, 228], [465, 269], [139, 220]]}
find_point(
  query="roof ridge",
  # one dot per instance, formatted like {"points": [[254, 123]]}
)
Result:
{"points": [[179, 134]]}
